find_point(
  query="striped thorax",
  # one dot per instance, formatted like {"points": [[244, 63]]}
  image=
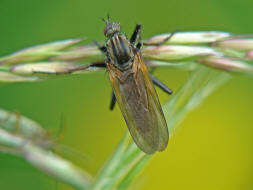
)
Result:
{"points": [[120, 52]]}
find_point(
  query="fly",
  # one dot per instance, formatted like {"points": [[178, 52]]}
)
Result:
{"points": [[133, 88]]}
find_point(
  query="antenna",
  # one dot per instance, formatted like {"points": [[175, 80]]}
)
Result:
{"points": [[107, 20]]}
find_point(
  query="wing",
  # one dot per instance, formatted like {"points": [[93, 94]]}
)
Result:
{"points": [[140, 106]]}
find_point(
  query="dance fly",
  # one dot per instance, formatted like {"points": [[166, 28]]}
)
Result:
{"points": [[133, 89]]}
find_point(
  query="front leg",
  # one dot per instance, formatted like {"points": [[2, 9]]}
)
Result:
{"points": [[136, 34], [103, 49], [162, 41]]}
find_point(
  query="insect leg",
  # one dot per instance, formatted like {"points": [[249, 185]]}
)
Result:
{"points": [[160, 85], [113, 101], [136, 34], [103, 49], [97, 64], [138, 46], [161, 42], [91, 65]]}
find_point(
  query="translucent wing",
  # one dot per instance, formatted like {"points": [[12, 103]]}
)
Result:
{"points": [[140, 106]]}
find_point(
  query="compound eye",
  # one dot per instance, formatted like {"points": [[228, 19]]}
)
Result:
{"points": [[111, 28], [106, 30]]}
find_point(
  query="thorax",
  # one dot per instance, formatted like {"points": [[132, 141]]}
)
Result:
{"points": [[120, 53]]}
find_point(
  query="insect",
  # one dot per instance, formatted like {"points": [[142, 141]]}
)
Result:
{"points": [[133, 88]]}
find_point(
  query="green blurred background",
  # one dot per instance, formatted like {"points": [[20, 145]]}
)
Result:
{"points": [[212, 148]]}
